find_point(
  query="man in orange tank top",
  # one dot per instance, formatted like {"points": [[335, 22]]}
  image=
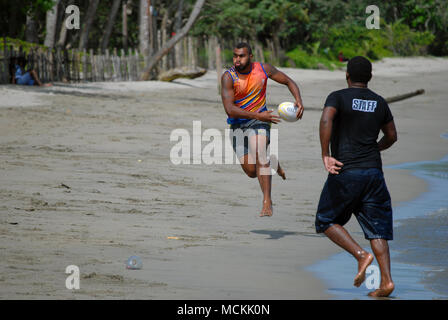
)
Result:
{"points": [[243, 92]]}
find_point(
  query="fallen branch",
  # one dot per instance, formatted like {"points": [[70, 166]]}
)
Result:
{"points": [[405, 96]]}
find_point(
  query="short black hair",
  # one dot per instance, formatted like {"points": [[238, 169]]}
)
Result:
{"points": [[244, 45], [359, 69]]}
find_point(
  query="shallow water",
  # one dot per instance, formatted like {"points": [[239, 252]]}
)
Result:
{"points": [[419, 252]]}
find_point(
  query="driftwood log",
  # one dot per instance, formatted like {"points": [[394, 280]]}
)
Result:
{"points": [[189, 73], [405, 96]]}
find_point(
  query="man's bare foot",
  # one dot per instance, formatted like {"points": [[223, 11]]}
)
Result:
{"points": [[281, 173], [383, 290], [266, 211], [363, 263]]}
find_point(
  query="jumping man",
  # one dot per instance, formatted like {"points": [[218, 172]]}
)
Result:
{"points": [[244, 97]]}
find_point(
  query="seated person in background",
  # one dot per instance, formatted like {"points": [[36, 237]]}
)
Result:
{"points": [[341, 57], [30, 77]]}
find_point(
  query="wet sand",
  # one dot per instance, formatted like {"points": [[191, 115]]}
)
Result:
{"points": [[86, 180]]}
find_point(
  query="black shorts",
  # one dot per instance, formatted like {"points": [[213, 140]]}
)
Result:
{"points": [[252, 127], [362, 192]]}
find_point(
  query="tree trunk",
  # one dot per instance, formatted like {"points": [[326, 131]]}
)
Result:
{"points": [[149, 12], [12, 25], [273, 57], [31, 29], [170, 44], [163, 28], [277, 48], [259, 52], [177, 27], [51, 20], [218, 63], [91, 11], [63, 32], [110, 24], [125, 25], [143, 36], [210, 46]]}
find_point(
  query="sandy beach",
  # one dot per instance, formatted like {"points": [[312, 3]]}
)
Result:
{"points": [[86, 180]]}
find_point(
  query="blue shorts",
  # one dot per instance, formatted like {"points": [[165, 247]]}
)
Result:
{"points": [[240, 138], [362, 192], [25, 79]]}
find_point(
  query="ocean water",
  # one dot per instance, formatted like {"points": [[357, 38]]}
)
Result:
{"points": [[419, 251]]}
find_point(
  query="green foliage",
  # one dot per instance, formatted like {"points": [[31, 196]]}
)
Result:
{"points": [[17, 43], [307, 33], [405, 42], [300, 58], [391, 39]]}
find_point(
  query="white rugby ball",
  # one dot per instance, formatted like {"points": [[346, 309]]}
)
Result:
{"points": [[287, 111]]}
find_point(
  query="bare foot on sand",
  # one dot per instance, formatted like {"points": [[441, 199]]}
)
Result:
{"points": [[266, 211], [47, 85], [383, 291], [363, 263]]}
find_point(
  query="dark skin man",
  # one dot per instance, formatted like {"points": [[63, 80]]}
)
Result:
{"points": [[337, 233], [254, 162]]}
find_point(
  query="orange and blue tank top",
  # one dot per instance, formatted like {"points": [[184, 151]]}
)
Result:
{"points": [[249, 90]]}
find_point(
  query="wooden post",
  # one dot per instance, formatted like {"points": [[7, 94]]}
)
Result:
{"points": [[98, 66], [106, 66], [6, 78], [218, 64], [116, 66], [137, 62], [75, 65], [130, 65], [185, 49], [67, 65], [123, 65], [57, 68], [84, 65], [92, 65]]}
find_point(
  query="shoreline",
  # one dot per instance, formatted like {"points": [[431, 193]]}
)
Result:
{"points": [[416, 276], [90, 137]]}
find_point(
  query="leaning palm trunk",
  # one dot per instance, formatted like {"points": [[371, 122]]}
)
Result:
{"points": [[170, 44]]}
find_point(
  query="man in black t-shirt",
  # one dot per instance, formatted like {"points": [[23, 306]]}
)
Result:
{"points": [[351, 121]]}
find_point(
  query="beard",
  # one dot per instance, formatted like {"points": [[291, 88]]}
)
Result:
{"points": [[242, 67]]}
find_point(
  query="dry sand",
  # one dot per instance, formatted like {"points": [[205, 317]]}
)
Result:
{"points": [[86, 180]]}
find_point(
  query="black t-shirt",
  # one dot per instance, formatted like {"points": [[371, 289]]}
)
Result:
{"points": [[361, 114]]}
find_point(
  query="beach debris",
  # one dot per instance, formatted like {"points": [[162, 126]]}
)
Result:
{"points": [[189, 73], [405, 96], [65, 186], [172, 238], [134, 263]]}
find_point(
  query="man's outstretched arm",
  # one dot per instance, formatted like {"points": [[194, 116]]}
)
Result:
{"points": [[233, 111], [390, 136], [331, 164], [282, 78]]}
